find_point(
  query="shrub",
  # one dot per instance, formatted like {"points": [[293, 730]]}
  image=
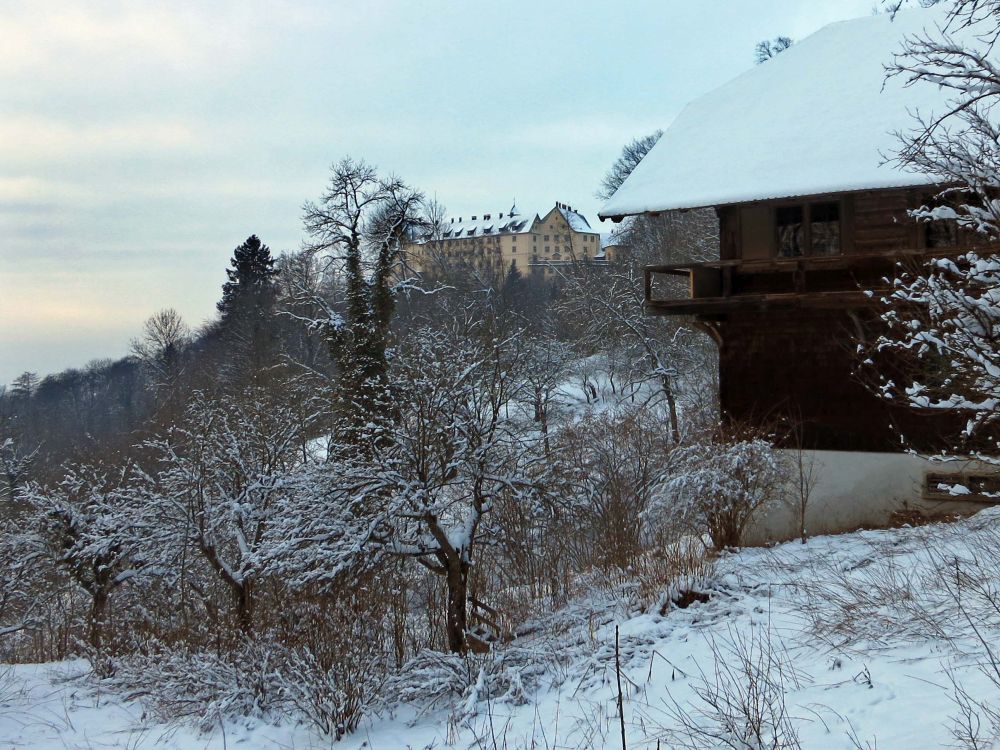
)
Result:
{"points": [[719, 489]]}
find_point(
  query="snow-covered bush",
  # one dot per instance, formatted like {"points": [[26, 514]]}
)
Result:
{"points": [[719, 489], [333, 697], [432, 680], [258, 679], [177, 683]]}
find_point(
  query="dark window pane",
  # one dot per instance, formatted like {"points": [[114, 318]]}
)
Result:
{"points": [[789, 222], [942, 233], [825, 228]]}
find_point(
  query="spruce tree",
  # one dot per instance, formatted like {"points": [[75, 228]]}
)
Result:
{"points": [[251, 278], [247, 320]]}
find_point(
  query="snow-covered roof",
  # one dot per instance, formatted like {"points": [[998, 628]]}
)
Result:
{"points": [[485, 225], [577, 222], [818, 118], [612, 239], [506, 222]]}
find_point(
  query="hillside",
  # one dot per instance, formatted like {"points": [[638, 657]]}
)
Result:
{"points": [[872, 639]]}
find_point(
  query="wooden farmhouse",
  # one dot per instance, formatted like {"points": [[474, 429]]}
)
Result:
{"points": [[795, 158]]}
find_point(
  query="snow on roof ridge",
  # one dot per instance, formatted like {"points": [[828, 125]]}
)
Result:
{"points": [[508, 222], [577, 221]]}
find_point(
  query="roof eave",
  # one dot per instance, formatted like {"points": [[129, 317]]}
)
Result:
{"points": [[618, 216]]}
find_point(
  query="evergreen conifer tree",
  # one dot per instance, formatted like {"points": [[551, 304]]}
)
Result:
{"points": [[247, 320], [251, 278]]}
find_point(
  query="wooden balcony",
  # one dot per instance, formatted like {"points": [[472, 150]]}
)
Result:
{"points": [[719, 287]]}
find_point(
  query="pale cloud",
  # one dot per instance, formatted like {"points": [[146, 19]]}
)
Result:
{"points": [[575, 132], [131, 38], [141, 141], [123, 38], [34, 140]]}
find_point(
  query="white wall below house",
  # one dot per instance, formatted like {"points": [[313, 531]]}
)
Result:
{"points": [[854, 490]]}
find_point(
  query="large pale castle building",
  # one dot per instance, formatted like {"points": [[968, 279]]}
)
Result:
{"points": [[496, 242]]}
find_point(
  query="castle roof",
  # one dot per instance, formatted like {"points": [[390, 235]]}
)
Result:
{"points": [[507, 222]]}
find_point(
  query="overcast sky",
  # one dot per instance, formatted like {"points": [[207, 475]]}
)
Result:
{"points": [[141, 142]]}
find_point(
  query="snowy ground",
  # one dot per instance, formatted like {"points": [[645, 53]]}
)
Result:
{"points": [[862, 634]]}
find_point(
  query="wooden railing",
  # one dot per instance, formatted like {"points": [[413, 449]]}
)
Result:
{"points": [[816, 281]]}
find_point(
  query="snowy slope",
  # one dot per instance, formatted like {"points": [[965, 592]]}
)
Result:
{"points": [[859, 632], [818, 118]]}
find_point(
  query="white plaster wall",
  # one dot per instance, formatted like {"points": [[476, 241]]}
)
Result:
{"points": [[854, 490]]}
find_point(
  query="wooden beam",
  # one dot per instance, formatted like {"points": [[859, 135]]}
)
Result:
{"points": [[717, 305]]}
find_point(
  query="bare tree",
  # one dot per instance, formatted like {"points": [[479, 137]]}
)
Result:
{"points": [[609, 301], [632, 153], [449, 457], [359, 225], [221, 480], [802, 478], [545, 365], [771, 48], [82, 529], [161, 345], [939, 351], [959, 146]]}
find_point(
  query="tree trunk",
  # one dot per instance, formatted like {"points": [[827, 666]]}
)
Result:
{"points": [[668, 391], [458, 596], [98, 610], [244, 607], [543, 419]]}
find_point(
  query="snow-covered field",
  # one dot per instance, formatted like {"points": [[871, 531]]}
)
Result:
{"points": [[848, 641]]}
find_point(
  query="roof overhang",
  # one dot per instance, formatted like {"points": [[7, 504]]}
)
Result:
{"points": [[821, 118]]}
